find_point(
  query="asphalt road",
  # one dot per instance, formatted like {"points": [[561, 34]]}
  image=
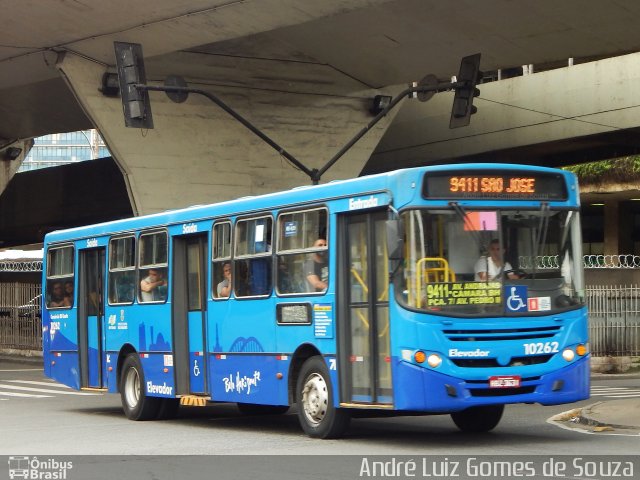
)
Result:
{"points": [[39, 417]]}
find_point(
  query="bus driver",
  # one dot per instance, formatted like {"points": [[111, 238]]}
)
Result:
{"points": [[493, 264]]}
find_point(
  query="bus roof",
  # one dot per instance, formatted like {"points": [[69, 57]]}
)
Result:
{"points": [[306, 194]]}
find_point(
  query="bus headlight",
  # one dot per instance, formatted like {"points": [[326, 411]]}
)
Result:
{"points": [[568, 354], [434, 360]]}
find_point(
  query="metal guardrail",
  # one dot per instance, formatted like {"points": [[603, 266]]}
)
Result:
{"points": [[614, 320], [20, 316]]}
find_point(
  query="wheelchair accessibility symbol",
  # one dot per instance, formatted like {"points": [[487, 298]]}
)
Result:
{"points": [[516, 298]]}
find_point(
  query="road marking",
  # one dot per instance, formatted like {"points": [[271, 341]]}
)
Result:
{"points": [[27, 395], [44, 390], [602, 387], [614, 392], [637, 395], [33, 382]]}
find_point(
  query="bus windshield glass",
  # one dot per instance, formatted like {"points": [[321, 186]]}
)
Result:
{"points": [[462, 262]]}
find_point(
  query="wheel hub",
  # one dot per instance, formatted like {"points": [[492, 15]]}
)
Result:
{"points": [[132, 388], [315, 399]]}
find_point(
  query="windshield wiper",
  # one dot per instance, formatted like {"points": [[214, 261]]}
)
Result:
{"points": [[541, 235], [465, 219]]}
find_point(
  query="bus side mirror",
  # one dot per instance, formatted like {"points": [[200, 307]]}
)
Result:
{"points": [[395, 239]]}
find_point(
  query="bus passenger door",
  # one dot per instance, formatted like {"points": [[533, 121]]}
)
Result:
{"points": [[91, 317], [364, 351], [189, 313]]}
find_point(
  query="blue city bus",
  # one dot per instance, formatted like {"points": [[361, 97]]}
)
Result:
{"points": [[452, 289]]}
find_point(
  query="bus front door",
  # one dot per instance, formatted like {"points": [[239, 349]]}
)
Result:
{"points": [[364, 342], [189, 314], [91, 317]]}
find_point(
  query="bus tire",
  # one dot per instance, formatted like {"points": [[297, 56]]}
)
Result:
{"points": [[256, 409], [135, 402], [478, 419], [314, 395], [168, 408]]}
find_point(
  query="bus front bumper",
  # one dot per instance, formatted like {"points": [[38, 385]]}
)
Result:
{"points": [[427, 390]]}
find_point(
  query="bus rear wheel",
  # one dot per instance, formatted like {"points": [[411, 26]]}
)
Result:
{"points": [[135, 402], [478, 419], [314, 395]]}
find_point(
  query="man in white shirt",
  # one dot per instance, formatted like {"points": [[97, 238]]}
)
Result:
{"points": [[493, 264]]}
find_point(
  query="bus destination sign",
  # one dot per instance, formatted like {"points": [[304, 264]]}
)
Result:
{"points": [[512, 185]]}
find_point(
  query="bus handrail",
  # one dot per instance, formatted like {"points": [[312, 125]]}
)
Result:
{"points": [[448, 274]]}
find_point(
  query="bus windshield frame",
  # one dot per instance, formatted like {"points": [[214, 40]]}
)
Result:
{"points": [[498, 262]]}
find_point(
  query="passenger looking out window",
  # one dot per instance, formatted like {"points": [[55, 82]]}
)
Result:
{"points": [[224, 287], [153, 288], [316, 267], [56, 295]]}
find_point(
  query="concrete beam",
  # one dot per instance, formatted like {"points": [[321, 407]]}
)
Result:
{"points": [[198, 154], [595, 98]]}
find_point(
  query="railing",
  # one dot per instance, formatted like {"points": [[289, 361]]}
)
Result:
{"points": [[20, 316], [614, 320]]}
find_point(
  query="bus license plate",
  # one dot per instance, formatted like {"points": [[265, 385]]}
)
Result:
{"points": [[504, 382]]}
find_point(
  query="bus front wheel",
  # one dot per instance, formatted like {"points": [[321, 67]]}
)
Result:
{"points": [[314, 395], [135, 402], [478, 419]]}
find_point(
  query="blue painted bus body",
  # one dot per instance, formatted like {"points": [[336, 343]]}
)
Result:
{"points": [[246, 356]]}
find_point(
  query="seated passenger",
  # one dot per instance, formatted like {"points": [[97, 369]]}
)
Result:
{"points": [[153, 287], [316, 268], [56, 295], [68, 293], [224, 287]]}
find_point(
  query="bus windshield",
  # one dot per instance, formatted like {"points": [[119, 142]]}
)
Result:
{"points": [[463, 262]]}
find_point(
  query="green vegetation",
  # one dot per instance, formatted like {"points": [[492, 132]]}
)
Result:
{"points": [[625, 169]]}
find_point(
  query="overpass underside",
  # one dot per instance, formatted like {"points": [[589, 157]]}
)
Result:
{"points": [[198, 154]]}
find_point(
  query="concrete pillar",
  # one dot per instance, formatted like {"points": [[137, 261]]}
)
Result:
{"points": [[611, 231], [198, 154], [625, 227], [9, 165]]}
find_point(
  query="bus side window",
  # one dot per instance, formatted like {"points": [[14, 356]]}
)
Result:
{"points": [[253, 257], [222, 268], [122, 282], [60, 277], [302, 252], [153, 281]]}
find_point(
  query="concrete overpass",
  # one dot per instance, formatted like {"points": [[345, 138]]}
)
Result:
{"points": [[562, 116], [302, 70]]}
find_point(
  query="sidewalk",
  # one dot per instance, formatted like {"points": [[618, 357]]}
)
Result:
{"points": [[623, 413], [13, 357]]}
